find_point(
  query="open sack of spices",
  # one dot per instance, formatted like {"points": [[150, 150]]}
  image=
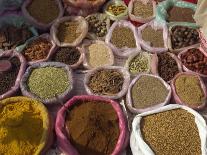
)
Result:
{"points": [[172, 129], [26, 127], [97, 54], [166, 65], [139, 62], [176, 12], [91, 125], [42, 14], [98, 26], [190, 90], [49, 82], [10, 5], [12, 68], [142, 11], [153, 37], [122, 38], [38, 49], [194, 60], [69, 31], [111, 82], [147, 92], [14, 30]]}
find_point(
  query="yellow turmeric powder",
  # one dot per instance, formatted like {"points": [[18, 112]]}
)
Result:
{"points": [[21, 126]]}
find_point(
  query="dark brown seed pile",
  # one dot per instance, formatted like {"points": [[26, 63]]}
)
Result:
{"points": [[11, 37], [167, 66], [67, 55], [8, 78], [172, 132]]}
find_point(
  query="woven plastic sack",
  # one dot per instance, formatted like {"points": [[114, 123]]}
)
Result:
{"points": [[201, 13], [146, 45], [17, 20], [62, 140], [125, 51], [9, 5], [121, 70], [129, 95], [37, 23], [161, 12], [137, 18], [177, 98], [60, 97], [140, 147], [51, 51], [15, 88], [83, 28], [156, 61]]}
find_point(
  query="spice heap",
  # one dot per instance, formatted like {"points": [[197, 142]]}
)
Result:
{"points": [[183, 36], [171, 132], [195, 60], [11, 37], [8, 78], [155, 37], [189, 90], [98, 55], [142, 10], [48, 82], [167, 66], [99, 127], [116, 9], [37, 49], [21, 128], [43, 11], [123, 37], [139, 64], [69, 31], [97, 26], [148, 91], [106, 82], [178, 14], [67, 55]]}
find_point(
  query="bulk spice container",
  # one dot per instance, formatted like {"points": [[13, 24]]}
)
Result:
{"points": [[147, 92], [25, 126], [102, 123], [42, 14], [172, 129], [12, 67], [110, 82], [97, 54], [49, 82]]}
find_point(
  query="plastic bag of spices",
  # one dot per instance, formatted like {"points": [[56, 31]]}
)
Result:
{"points": [[142, 11], [49, 82], [9, 5], [141, 97], [122, 38], [62, 29], [153, 37], [110, 81], [38, 49], [64, 143], [35, 12], [176, 12], [140, 146], [189, 89], [11, 72]]}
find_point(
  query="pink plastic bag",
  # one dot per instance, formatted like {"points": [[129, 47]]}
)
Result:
{"points": [[146, 45], [64, 144], [15, 88], [177, 98], [34, 21]]}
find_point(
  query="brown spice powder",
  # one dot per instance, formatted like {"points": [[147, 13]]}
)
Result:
{"points": [[142, 10], [93, 127], [172, 132]]}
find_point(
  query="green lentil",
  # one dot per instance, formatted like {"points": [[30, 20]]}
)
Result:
{"points": [[48, 82], [189, 90], [148, 91]]}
